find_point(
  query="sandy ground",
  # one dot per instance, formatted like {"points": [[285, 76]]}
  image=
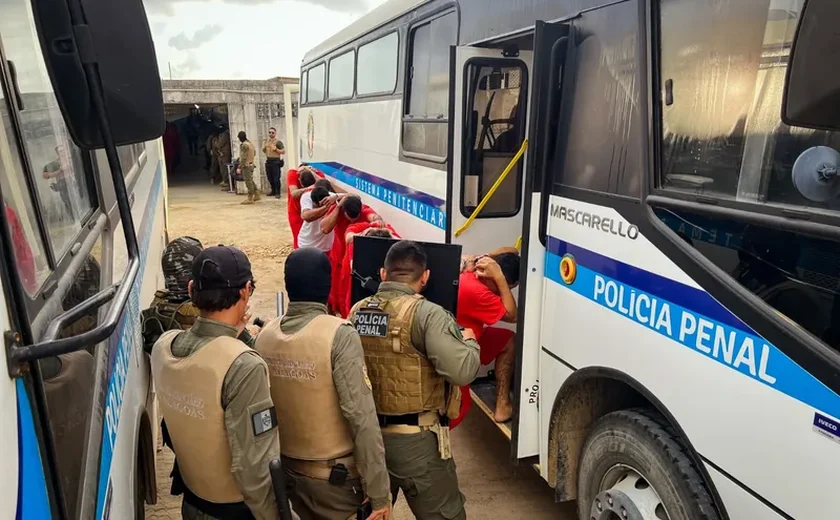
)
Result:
{"points": [[495, 488]]}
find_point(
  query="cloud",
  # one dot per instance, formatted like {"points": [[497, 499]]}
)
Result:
{"points": [[182, 42], [166, 7]]}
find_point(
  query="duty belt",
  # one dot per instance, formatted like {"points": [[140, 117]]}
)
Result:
{"points": [[409, 423], [321, 469]]}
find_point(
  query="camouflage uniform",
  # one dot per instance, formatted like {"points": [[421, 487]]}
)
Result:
{"points": [[172, 308], [247, 155]]}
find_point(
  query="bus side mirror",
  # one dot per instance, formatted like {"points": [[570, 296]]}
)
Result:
{"points": [[812, 87], [106, 45]]}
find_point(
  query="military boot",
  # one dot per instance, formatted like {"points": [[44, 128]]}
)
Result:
{"points": [[249, 201], [257, 197]]}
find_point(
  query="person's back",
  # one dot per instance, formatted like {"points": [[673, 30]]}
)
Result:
{"points": [[214, 397], [417, 358], [172, 308], [314, 206], [332, 448]]}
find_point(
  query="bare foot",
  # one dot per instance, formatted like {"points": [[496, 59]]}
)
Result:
{"points": [[504, 411]]}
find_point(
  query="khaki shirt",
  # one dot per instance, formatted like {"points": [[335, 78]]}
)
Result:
{"points": [[355, 398], [274, 149], [436, 335], [247, 154], [245, 391]]}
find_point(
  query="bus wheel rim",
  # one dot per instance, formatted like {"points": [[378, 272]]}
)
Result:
{"points": [[625, 494]]}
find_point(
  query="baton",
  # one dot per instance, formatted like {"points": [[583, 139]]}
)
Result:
{"points": [[275, 468]]}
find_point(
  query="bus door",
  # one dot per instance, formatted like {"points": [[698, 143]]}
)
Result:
{"points": [[490, 117], [488, 160], [549, 57]]}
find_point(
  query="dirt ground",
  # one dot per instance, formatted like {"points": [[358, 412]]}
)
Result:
{"points": [[495, 488]]}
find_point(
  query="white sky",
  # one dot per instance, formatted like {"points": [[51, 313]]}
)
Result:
{"points": [[244, 39]]}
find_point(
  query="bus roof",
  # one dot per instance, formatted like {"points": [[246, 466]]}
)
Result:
{"points": [[382, 14]]}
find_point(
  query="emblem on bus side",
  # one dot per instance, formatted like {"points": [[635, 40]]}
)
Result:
{"points": [[310, 135], [568, 269]]}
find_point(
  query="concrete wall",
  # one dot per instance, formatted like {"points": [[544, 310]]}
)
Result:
{"points": [[253, 106]]}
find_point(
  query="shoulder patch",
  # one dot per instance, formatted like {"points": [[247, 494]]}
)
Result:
{"points": [[264, 421]]}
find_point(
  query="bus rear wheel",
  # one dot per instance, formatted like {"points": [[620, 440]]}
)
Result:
{"points": [[633, 467]]}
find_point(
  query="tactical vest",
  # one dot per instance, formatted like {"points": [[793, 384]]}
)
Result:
{"points": [[404, 381], [312, 426], [189, 390]]}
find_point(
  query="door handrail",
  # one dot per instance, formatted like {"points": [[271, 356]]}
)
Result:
{"points": [[493, 189]]}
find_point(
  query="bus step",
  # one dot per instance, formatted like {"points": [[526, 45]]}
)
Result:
{"points": [[484, 395]]}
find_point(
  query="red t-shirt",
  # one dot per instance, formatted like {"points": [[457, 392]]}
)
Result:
{"points": [[478, 306], [339, 246], [23, 253], [293, 204], [345, 280]]}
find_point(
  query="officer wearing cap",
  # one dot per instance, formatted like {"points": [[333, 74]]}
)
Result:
{"points": [[214, 395], [417, 357], [332, 447]]}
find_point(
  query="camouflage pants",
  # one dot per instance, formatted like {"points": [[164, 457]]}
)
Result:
{"points": [[248, 175]]}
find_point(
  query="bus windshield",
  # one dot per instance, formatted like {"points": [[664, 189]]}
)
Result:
{"points": [[723, 83]]}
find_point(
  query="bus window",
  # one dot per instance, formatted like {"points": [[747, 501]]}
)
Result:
{"points": [[30, 259], [425, 125], [723, 82], [56, 163], [69, 382], [315, 86], [342, 70], [303, 77], [494, 131], [377, 66]]}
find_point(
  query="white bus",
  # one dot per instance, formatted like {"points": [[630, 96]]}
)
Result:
{"points": [[679, 316], [77, 418]]}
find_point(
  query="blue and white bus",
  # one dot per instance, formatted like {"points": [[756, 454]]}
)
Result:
{"points": [[80, 158], [679, 328]]}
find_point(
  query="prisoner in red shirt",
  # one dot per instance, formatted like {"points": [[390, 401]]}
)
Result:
{"points": [[349, 210], [345, 276], [485, 298], [299, 182]]}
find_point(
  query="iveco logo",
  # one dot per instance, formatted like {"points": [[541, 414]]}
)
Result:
{"points": [[590, 220]]}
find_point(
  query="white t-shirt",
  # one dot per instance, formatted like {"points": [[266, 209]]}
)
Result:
{"points": [[310, 233]]}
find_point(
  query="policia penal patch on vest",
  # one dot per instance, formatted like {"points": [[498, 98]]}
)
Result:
{"points": [[371, 321], [264, 421]]}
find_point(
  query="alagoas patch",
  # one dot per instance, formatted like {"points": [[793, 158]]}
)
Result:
{"points": [[264, 421]]}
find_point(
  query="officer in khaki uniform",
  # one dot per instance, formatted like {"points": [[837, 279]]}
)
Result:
{"points": [[417, 357], [247, 155], [332, 447], [214, 395], [274, 151]]}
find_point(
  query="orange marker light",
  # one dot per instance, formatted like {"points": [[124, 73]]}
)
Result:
{"points": [[568, 269]]}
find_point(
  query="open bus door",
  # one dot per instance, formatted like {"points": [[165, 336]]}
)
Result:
{"points": [[490, 95], [548, 61]]}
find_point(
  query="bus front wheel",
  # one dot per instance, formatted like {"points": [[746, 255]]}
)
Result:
{"points": [[633, 467]]}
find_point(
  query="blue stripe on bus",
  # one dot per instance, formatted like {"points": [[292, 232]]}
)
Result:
{"points": [[695, 299], [421, 205], [32, 502], [672, 310], [123, 346]]}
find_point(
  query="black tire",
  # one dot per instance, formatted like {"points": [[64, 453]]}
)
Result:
{"points": [[643, 440], [139, 491]]}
